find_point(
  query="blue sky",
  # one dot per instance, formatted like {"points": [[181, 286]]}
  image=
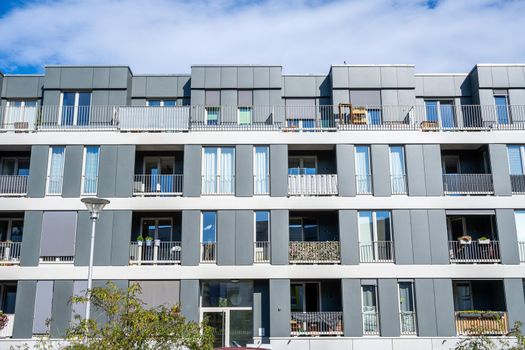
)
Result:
{"points": [[305, 36]]}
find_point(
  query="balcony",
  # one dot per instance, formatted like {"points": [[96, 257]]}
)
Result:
{"points": [[370, 323], [261, 253], [316, 323], [142, 118], [314, 252], [408, 322], [312, 185], [20, 118], [517, 184], [481, 251], [155, 252], [379, 251], [13, 185], [157, 185], [7, 331], [81, 118], [10, 253], [468, 184], [208, 252], [481, 322]]}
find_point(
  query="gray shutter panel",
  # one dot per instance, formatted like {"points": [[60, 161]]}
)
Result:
{"points": [[300, 108], [43, 305], [156, 293], [58, 233], [365, 97], [245, 97], [79, 289], [213, 98]]}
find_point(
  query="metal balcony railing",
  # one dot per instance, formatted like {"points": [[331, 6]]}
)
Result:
{"points": [[157, 185], [312, 185], [10, 253], [146, 118], [327, 252], [398, 184], [13, 185], [89, 185], [57, 259], [370, 323], [54, 185], [485, 322], [208, 252], [316, 323], [7, 331], [21, 118], [218, 185], [364, 184], [521, 247], [468, 184], [261, 252], [517, 183], [408, 322], [155, 252], [486, 251], [377, 251], [82, 118], [261, 184]]}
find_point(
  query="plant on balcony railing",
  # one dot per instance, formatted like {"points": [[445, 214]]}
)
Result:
{"points": [[314, 252], [3, 320]]}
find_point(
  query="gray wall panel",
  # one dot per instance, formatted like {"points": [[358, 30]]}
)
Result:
{"points": [[437, 225], [261, 77], [244, 170], [279, 170], [125, 170], [101, 78], [415, 172], [381, 170], [24, 309], [345, 158], [61, 309], [228, 77], [420, 236], [432, 164], [403, 251], [244, 237], [499, 164], [22, 87], [280, 307], [444, 301], [226, 237], [425, 307], [30, 250], [189, 299], [280, 237], [191, 236], [72, 171], [107, 172], [103, 233], [36, 184], [514, 300], [349, 237], [192, 171], [121, 237], [389, 307], [212, 78], [508, 237], [352, 318], [83, 239], [244, 77], [43, 306]]}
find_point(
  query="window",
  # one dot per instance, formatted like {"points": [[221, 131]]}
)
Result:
{"points": [[398, 170], [161, 103], [75, 108], [14, 166], [305, 296], [262, 236], [363, 170], [11, 230], [375, 236], [90, 169], [502, 109], [302, 165], [440, 112], [157, 228], [407, 309], [304, 229], [218, 169], [520, 229], [158, 174], [451, 165], [463, 296], [245, 108], [8, 298], [55, 171], [261, 170], [370, 310], [57, 242], [209, 235], [21, 111], [516, 156]]}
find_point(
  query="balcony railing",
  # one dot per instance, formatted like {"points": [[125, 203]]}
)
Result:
{"points": [[521, 247], [218, 185], [155, 252], [364, 184], [370, 323], [486, 251], [89, 185], [208, 252], [312, 185], [377, 251], [408, 322], [57, 259], [481, 322], [261, 184], [13, 185], [10, 253], [7, 331], [398, 184], [327, 252], [517, 183], [54, 185], [261, 252], [158, 185], [316, 323], [264, 118], [468, 184]]}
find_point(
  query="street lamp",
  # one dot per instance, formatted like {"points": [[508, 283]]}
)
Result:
{"points": [[95, 206]]}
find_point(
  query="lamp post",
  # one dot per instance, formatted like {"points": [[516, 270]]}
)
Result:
{"points": [[95, 206]]}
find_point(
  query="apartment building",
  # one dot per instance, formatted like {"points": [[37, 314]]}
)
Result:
{"points": [[368, 207]]}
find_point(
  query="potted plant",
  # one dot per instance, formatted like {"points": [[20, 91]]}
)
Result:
{"points": [[140, 240], [3, 320], [465, 239], [149, 241], [484, 240]]}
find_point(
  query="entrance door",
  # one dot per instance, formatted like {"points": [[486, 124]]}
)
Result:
{"points": [[231, 327], [217, 321]]}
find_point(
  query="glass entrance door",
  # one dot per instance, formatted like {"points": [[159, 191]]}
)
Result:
{"points": [[231, 327], [217, 320]]}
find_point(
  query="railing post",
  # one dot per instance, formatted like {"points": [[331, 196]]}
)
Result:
{"points": [[139, 253]]}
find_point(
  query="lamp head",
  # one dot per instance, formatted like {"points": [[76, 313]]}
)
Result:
{"points": [[95, 205]]}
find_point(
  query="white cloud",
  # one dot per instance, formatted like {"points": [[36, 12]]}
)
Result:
{"points": [[168, 36]]}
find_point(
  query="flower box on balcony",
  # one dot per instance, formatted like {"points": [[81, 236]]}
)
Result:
{"points": [[465, 239], [483, 241]]}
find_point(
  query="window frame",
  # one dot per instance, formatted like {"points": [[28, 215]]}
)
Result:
{"points": [[319, 295], [75, 106], [301, 164], [10, 221], [16, 165], [255, 225], [157, 220], [218, 170], [84, 157], [302, 226], [49, 162], [522, 157]]}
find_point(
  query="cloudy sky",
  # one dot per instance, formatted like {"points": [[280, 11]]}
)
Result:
{"points": [[305, 36]]}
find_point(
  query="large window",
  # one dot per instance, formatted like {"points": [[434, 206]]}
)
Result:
{"points": [[440, 112], [157, 228], [208, 235], [305, 296], [55, 171], [76, 106], [8, 298], [304, 229], [218, 169], [370, 309], [407, 308], [398, 170], [375, 236], [11, 230], [14, 166], [502, 108], [90, 169], [158, 174], [261, 170], [21, 111], [306, 165], [516, 156], [363, 170]]}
